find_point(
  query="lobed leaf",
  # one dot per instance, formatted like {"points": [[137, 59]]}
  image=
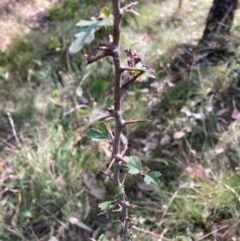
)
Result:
{"points": [[107, 22], [96, 135], [104, 129], [109, 102], [119, 191], [152, 177], [86, 23], [86, 36], [145, 170], [142, 67], [105, 206], [86, 33], [134, 164]]}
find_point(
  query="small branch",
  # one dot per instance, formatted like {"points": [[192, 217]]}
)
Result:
{"points": [[122, 159], [110, 133], [105, 48], [134, 206], [170, 202], [129, 6], [131, 80], [124, 179], [76, 108], [125, 147], [13, 128], [110, 165], [151, 233], [105, 117], [68, 62], [16, 233], [214, 231], [222, 22], [113, 211], [127, 68], [105, 173], [117, 13], [125, 223], [135, 121], [101, 54], [110, 110]]}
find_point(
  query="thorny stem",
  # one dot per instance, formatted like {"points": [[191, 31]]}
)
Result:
{"points": [[131, 80], [117, 13]]}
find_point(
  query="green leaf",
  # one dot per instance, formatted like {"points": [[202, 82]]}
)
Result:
{"points": [[109, 102], [95, 135], [2, 78], [105, 206], [107, 22], [2, 54], [119, 191], [27, 214], [134, 164], [86, 23], [102, 238], [237, 28], [86, 36], [117, 225], [38, 62], [86, 33], [152, 177], [98, 88], [55, 93], [142, 67], [145, 170], [83, 113], [54, 44], [103, 128], [105, 12]]}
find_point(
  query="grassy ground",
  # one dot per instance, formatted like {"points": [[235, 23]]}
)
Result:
{"points": [[50, 188]]}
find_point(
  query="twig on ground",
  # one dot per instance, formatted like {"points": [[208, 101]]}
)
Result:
{"points": [[13, 128], [151, 233], [16, 233]]}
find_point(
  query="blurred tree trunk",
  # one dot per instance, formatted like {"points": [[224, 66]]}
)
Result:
{"points": [[220, 19]]}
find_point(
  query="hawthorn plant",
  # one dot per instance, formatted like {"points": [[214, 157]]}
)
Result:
{"points": [[117, 209]]}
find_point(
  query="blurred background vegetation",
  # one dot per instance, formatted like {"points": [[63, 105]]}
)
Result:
{"points": [[50, 186]]}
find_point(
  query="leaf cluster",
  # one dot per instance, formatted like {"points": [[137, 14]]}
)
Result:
{"points": [[85, 33]]}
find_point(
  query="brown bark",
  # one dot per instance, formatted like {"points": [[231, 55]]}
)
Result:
{"points": [[220, 19]]}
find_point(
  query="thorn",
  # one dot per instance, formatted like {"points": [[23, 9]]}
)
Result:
{"points": [[93, 58], [122, 159], [135, 121], [123, 181], [129, 6], [127, 68], [105, 48], [110, 165], [105, 117], [105, 173], [110, 110], [131, 80], [110, 132], [125, 147], [133, 206]]}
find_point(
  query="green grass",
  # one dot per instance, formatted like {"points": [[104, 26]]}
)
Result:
{"points": [[42, 178], [49, 169]]}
